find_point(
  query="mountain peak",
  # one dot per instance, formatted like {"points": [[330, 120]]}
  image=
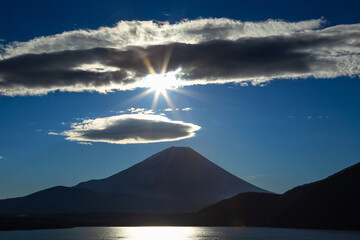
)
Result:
{"points": [[177, 179], [177, 174], [177, 149], [175, 159]]}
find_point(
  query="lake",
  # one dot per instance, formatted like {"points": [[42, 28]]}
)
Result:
{"points": [[177, 233]]}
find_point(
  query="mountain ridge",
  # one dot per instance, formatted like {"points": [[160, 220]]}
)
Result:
{"points": [[331, 203], [176, 170], [335, 205], [177, 179]]}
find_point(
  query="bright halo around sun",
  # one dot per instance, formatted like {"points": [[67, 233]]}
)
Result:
{"points": [[161, 82]]}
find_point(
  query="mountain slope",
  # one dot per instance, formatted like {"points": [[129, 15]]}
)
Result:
{"points": [[174, 174], [56, 199], [330, 203], [177, 179]]}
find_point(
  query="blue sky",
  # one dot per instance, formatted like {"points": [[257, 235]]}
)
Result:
{"points": [[276, 135]]}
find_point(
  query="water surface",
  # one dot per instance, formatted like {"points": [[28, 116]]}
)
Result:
{"points": [[177, 233]]}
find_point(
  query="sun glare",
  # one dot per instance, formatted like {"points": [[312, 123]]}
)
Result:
{"points": [[161, 82], [160, 233]]}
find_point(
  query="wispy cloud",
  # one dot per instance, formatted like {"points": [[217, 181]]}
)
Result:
{"points": [[204, 51], [128, 129], [140, 110], [146, 33], [177, 109], [1, 157], [85, 143]]}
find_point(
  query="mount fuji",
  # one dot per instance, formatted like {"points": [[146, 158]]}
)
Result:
{"points": [[177, 179]]}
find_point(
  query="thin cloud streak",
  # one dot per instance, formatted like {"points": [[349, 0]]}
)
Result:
{"points": [[146, 33], [85, 143]]}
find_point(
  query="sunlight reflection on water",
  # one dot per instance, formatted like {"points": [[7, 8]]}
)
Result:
{"points": [[158, 233], [176, 233]]}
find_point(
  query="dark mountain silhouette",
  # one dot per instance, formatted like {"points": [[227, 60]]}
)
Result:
{"points": [[177, 173], [56, 199], [331, 203], [178, 179]]}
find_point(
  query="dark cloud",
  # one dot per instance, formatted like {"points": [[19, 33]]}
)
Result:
{"points": [[246, 59], [130, 128], [57, 70]]}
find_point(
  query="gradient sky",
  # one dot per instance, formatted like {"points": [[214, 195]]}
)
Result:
{"points": [[275, 135]]}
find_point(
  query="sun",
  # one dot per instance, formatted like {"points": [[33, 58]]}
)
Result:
{"points": [[162, 82], [159, 83]]}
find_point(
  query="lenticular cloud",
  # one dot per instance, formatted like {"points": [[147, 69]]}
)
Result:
{"points": [[130, 129]]}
